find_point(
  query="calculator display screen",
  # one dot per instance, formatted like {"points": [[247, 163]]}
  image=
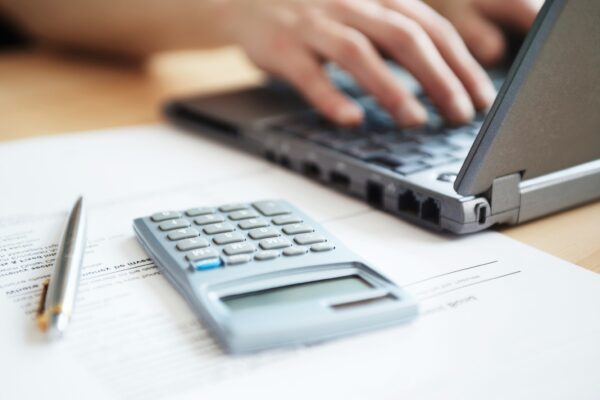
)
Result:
{"points": [[296, 293]]}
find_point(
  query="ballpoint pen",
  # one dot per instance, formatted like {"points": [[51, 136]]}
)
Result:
{"points": [[59, 293]]}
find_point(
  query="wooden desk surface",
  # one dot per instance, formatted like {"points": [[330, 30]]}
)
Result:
{"points": [[43, 93]]}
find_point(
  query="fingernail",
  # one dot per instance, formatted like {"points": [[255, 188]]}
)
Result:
{"points": [[411, 113], [461, 109], [349, 114]]}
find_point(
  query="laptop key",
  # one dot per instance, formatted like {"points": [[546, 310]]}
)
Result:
{"points": [[440, 159], [411, 168]]}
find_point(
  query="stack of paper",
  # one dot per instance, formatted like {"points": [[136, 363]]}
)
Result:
{"points": [[499, 320]]}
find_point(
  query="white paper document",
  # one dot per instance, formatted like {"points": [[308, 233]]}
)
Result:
{"points": [[498, 319]]}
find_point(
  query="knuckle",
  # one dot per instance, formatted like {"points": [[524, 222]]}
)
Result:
{"points": [[443, 28], [339, 6], [353, 46], [410, 34]]}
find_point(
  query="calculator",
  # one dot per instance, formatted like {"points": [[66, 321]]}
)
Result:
{"points": [[264, 275]]}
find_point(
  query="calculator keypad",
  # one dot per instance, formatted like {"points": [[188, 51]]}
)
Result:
{"points": [[237, 234]]}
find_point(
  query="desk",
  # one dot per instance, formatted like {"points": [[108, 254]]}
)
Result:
{"points": [[42, 93]]}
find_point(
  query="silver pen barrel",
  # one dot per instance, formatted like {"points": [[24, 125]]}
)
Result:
{"points": [[64, 281]]}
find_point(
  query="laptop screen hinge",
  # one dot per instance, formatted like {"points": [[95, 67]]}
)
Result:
{"points": [[505, 193]]}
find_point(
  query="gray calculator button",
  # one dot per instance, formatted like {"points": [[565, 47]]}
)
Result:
{"points": [[262, 233], [286, 219], [275, 243], [174, 224], [183, 234], [271, 208], [194, 212], [231, 237], [218, 228], [236, 260], [242, 214], [233, 207], [194, 243], [209, 219], [266, 255], [239, 248], [252, 223], [201, 254], [296, 229], [294, 251], [165, 215], [322, 247], [309, 238]]}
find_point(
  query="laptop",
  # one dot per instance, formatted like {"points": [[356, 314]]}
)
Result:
{"points": [[537, 150]]}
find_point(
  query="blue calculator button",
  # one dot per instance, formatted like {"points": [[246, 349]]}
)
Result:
{"points": [[209, 263]]}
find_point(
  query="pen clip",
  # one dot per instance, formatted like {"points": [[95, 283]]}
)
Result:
{"points": [[41, 317]]}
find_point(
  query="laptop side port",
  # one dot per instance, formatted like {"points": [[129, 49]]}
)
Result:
{"points": [[408, 203], [375, 194], [284, 161], [311, 170], [430, 211], [481, 214], [270, 155], [339, 180]]}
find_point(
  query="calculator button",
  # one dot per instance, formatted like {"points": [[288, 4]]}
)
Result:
{"points": [[262, 233], [233, 207], [275, 243], [266, 255], [183, 234], [226, 238], [209, 219], [239, 248], [173, 224], [218, 228], [238, 259], [286, 219], [194, 212], [271, 208], [252, 223], [242, 214], [208, 263], [296, 229], [309, 238], [201, 254], [322, 247], [194, 243], [165, 215], [294, 251]]}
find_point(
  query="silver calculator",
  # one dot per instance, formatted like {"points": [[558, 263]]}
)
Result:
{"points": [[264, 275]]}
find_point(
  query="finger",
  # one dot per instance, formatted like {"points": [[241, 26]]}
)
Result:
{"points": [[452, 48], [353, 52], [303, 71], [410, 46], [519, 14], [484, 39]]}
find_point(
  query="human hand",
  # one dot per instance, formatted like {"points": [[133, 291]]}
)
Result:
{"points": [[291, 38], [480, 22]]}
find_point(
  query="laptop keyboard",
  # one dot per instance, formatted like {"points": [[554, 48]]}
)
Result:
{"points": [[380, 142]]}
